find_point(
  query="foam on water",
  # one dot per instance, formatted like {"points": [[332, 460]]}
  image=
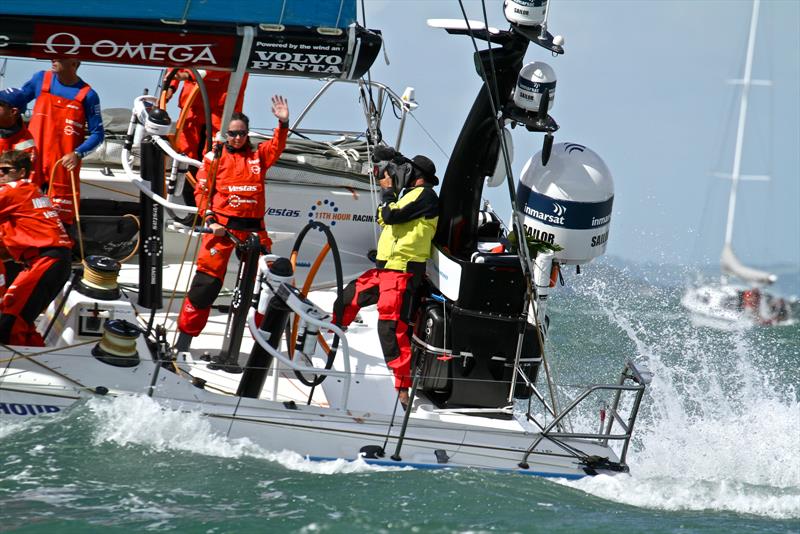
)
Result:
{"points": [[719, 430], [10, 427], [139, 420]]}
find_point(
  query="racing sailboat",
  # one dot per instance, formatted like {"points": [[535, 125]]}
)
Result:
{"points": [[295, 379], [740, 297]]}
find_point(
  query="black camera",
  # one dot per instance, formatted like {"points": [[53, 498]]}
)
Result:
{"points": [[396, 165]]}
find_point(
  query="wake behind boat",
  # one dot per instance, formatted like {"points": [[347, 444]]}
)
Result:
{"points": [[298, 381]]}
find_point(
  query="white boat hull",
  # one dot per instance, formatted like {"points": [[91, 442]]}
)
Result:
{"points": [[319, 433], [337, 423], [721, 306]]}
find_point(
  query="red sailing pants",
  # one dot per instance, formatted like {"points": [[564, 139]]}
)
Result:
{"points": [[393, 291], [212, 262], [30, 293]]}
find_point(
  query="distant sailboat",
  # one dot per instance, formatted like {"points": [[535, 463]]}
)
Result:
{"points": [[742, 300]]}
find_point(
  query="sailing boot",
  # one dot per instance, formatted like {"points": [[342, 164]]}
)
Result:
{"points": [[183, 343]]}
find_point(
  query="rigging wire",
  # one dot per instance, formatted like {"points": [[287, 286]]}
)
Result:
{"points": [[428, 134]]}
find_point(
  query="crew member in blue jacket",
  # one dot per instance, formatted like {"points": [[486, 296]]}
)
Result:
{"points": [[66, 125]]}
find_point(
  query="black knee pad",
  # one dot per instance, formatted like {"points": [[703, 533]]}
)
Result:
{"points": [[48, 287], [6, 325], [387, 335], [204, 290]]}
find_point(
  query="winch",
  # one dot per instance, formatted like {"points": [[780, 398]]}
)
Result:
{"points": [[118, 345]]}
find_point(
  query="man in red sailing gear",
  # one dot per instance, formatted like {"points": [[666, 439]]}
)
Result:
{"points": [[14, 135], [34, 236], [231, 186], [65, 106], [191, 140]]}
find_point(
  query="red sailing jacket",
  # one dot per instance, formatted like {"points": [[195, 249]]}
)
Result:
{"points": [[58, 126], [239, 187], [23, 140], [28, 221]]}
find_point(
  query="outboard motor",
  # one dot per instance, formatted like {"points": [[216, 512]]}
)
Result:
{"points": [[568, 202]]}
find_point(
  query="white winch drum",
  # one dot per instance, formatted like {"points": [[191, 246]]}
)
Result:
{"points": [[568, 201], [534, 80], [525, 12]]}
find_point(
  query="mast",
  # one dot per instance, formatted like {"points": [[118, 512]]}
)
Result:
{"points": [[737, 156]]}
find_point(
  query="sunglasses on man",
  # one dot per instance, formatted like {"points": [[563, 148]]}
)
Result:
{"points": [[6, 170], [237, 133]]}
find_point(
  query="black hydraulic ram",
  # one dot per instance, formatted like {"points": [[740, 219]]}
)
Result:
{"points": [[276, 317], [152, 231], [228, 359]]}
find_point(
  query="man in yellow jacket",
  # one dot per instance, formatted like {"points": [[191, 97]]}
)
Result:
{"points": [[409, 224]]}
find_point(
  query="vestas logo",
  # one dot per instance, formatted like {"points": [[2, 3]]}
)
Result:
{"points": [[69, 44], [558, 209]]}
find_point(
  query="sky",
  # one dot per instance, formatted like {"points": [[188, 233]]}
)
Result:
{"points": [[642, 83]]}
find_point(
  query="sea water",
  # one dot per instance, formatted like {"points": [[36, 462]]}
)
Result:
{"points": [[717, 447]]}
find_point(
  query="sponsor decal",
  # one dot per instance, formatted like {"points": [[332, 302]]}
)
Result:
{"points": [[600, 239], [438, 271], [255, 166], [12, 408], [328, 212], [62, 44], [531, 3], [126, 44], [242, 188], [545, 217], [561, 213], [574, 147], [535, 87], [539, 235], [283, 212], [299, 54], [235, 201], [236, 298], [42, 202]]}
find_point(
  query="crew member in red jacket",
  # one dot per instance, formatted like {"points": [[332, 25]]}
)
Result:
{"points": [[34, 236], [14, 135], [191, 140], [235, 198]]}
